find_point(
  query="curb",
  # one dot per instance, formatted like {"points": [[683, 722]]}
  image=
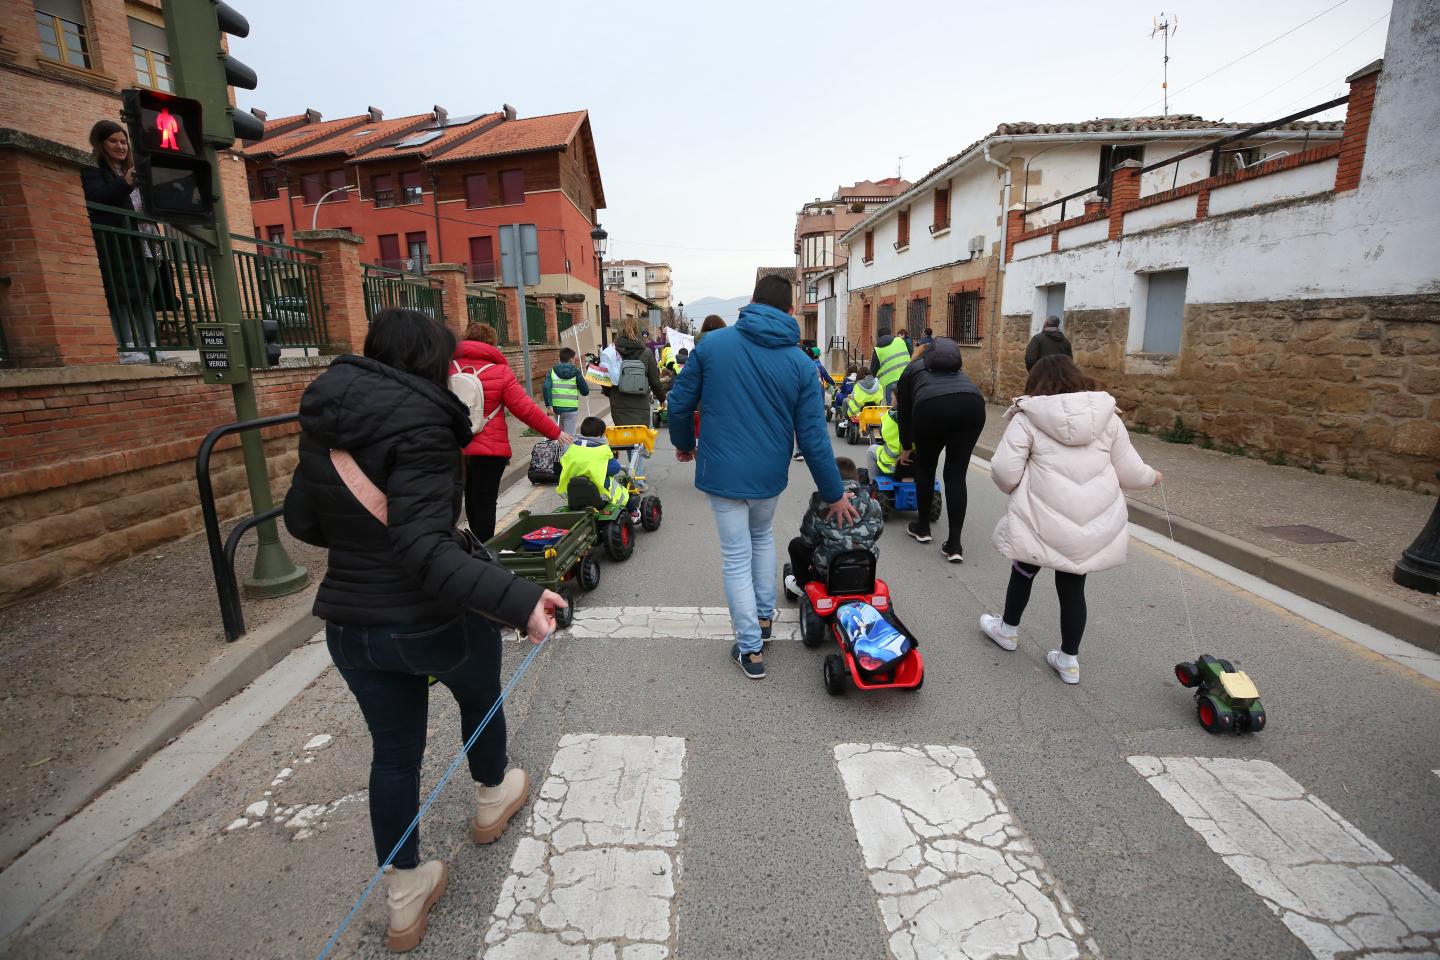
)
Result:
{"points": [[241, 663], [1343, 596]]}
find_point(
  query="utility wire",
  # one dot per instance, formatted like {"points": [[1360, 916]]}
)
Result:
{"points": [[1245, 56], [1312, 66]]}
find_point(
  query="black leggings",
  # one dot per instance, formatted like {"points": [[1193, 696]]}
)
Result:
{"points": [[801, 556], [951, 423], [1070, 586], [482, 490]]}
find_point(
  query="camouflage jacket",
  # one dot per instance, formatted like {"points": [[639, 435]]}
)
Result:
{"points": [[830, 540]]}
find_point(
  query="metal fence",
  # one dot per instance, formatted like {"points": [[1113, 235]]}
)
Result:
{"points": [[157, 281], [480, 309], [563, 321], [534, 321], [280, 286], [395, 288]]}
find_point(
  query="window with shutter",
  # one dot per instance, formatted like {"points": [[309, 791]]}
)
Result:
{"points": [[942, 210], [477, 190], [312, 186], [902, 229], [64, 31], [869, 246], [383, 189], [512, 186], [411, 189]]}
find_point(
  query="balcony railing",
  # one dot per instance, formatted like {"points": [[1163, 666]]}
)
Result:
{"points": [[488, 310], [481, 271], [385, 287]]}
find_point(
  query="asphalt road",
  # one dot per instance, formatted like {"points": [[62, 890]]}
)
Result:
{"points": [[689, 811]]}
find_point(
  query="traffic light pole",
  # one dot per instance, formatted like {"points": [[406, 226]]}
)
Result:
{"points": [[202, 71]]}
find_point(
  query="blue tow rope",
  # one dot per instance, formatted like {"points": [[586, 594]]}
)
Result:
{"points": [[414, 824]]}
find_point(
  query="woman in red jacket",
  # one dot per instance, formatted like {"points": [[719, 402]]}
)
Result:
{"points": [[489, 452]]}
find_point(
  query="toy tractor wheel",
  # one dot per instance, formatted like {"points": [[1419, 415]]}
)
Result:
{"points": [[1188, 674], [1214, 716], [829, 414], [589, 575], [840, 426], [886, 506], [1226, 665], [1255, 717], [833, 670], [565, 616], [651, 513], [852, 434], [620, 537], [812, 628], [790, 595], [937, 506]]}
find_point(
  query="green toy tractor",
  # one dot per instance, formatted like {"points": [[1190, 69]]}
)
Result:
{"points": [[1225, 698]]}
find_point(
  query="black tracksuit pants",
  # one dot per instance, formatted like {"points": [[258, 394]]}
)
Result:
{"points": [[951, 423]]}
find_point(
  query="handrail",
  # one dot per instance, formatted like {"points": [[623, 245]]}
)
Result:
{"points": [[1213, 147], [222, 557]]}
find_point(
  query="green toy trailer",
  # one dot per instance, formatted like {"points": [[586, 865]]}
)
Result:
{"points": [[1225, 698], [570, 560]]}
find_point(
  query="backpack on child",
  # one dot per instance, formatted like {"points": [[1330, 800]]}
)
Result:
{"points": [[633, 381], [466, 385]]}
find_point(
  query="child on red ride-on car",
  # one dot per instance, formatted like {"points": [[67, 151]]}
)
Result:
{"points": [[821, 540]]}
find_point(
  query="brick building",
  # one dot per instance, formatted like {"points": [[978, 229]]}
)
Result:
{"points": [[818, 228], [435, 188]]}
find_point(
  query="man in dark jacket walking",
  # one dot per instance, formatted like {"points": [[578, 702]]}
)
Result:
{"points": [[761, 397], [1047, 342]]}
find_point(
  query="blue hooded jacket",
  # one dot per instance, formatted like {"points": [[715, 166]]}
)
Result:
{"points": [[761, 397]]}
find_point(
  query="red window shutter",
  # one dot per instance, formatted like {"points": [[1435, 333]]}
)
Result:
{"points": [[477, 190], [382, 190], [904, 228], [512, 186], [482, 259], [313, 187], [335, 180], [869, 250], [389, 248]]}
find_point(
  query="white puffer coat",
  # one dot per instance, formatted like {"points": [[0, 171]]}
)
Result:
{"points": [[1064, 460]]}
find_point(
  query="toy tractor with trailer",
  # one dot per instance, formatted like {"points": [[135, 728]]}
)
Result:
{"points": [[1225, 698]]}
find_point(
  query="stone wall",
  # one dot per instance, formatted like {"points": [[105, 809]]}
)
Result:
{"points": [[97, 463], [1341, 385]]}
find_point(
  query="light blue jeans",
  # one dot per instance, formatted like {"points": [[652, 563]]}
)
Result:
{"points": [[747, 544]]}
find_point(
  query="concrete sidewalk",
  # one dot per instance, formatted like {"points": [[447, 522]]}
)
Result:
{"points": [[104, 671], [1224, 505]]}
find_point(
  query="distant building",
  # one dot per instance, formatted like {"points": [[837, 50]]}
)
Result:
{"points": [[642, 278], [818, 228]]}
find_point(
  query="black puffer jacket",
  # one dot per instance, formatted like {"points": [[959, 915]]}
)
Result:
{"points": [[935, 374], [406, 434]]}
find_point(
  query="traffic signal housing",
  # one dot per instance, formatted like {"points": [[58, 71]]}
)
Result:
{"points": [[171, 166]]}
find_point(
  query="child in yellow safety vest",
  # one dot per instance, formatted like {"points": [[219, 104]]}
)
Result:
{"points": [[590, 456], [563, 387], [888, 456]]}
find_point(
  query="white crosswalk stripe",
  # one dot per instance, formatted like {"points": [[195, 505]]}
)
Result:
{"points": [[673, 623], [594, 878], [955, 874], [1334, 887]]}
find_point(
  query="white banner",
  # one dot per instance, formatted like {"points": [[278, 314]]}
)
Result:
{"points": [[679, 340]]}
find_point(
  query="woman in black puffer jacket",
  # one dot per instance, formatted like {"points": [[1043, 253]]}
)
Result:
{"points": [[404, 599]]}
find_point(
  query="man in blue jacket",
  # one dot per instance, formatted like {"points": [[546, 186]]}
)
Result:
{"points": [[762, 399]]}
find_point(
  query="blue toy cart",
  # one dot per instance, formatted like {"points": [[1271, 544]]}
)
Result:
{"points": [[900, 495]]}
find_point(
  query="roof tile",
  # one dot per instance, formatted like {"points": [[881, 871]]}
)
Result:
{"points": [[518, 136]]}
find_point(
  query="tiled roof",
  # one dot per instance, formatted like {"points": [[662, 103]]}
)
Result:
{"points": [[285, 144], [525, 135], [787, 272], [448, 138], [362, 138]]}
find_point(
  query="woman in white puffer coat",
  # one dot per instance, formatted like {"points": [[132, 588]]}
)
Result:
{"points": [[1064, 460]]}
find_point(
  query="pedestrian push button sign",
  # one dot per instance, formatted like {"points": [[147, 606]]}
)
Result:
{"points": [[222, 353]]}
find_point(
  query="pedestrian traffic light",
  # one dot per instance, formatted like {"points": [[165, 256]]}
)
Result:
{"points": [[171, 167], [205, 71], [271, 329]]}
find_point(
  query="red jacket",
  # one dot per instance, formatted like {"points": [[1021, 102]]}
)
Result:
{"points": [[501, 388]]}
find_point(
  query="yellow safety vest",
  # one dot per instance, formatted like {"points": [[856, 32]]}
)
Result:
{"points": [[564, 393], [893, 358], [592, 462], [889, 453], [860, 398]]}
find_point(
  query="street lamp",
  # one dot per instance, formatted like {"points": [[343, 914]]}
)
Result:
{"points": [[315, 217], [598, 239]]}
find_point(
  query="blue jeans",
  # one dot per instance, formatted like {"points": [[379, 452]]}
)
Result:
{"points": [[747, 544], [387, 669]]}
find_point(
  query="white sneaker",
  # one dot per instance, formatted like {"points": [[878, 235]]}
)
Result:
{"points": [[1066, 665], [999, 631], [791, 586]]}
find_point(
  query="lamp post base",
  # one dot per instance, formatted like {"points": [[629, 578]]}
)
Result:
{"points": [[1419, 564], [275, 575]]}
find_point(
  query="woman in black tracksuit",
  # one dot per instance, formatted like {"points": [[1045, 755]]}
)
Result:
{"points": [[404, 599], [939, 409]]}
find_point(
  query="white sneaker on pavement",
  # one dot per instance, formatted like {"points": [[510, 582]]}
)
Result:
{"points": [[999, 631], [1066, 665], [792, 586]]}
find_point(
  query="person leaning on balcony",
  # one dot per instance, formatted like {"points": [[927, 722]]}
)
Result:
{"points": [[404, 598], [1048, 342], [126, 264], [487, 455]]}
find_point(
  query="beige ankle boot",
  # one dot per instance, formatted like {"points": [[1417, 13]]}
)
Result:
{"points": [[410, 895], [494, 806]]}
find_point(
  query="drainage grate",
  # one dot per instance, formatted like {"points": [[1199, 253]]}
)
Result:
{"points": [[1304, 533]]}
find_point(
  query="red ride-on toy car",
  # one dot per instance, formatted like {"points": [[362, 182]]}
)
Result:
{"points": [[852, 579]]}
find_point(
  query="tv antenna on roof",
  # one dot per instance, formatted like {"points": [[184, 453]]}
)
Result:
{"points": [[899, 162], [1165, 27]]}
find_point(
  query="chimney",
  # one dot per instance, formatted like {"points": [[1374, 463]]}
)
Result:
{"points": [[376, 115], [259, 113], [441, 115], [312, 115], [510, 112]]}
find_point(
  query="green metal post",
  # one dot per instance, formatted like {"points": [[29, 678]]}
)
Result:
{"points": [[194, 38]]}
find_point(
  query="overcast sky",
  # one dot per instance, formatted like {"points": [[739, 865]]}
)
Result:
{"points": [[714, 122]]}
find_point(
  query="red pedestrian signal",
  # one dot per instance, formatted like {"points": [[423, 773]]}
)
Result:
{"points": [[170, 164], [167, 125]]}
